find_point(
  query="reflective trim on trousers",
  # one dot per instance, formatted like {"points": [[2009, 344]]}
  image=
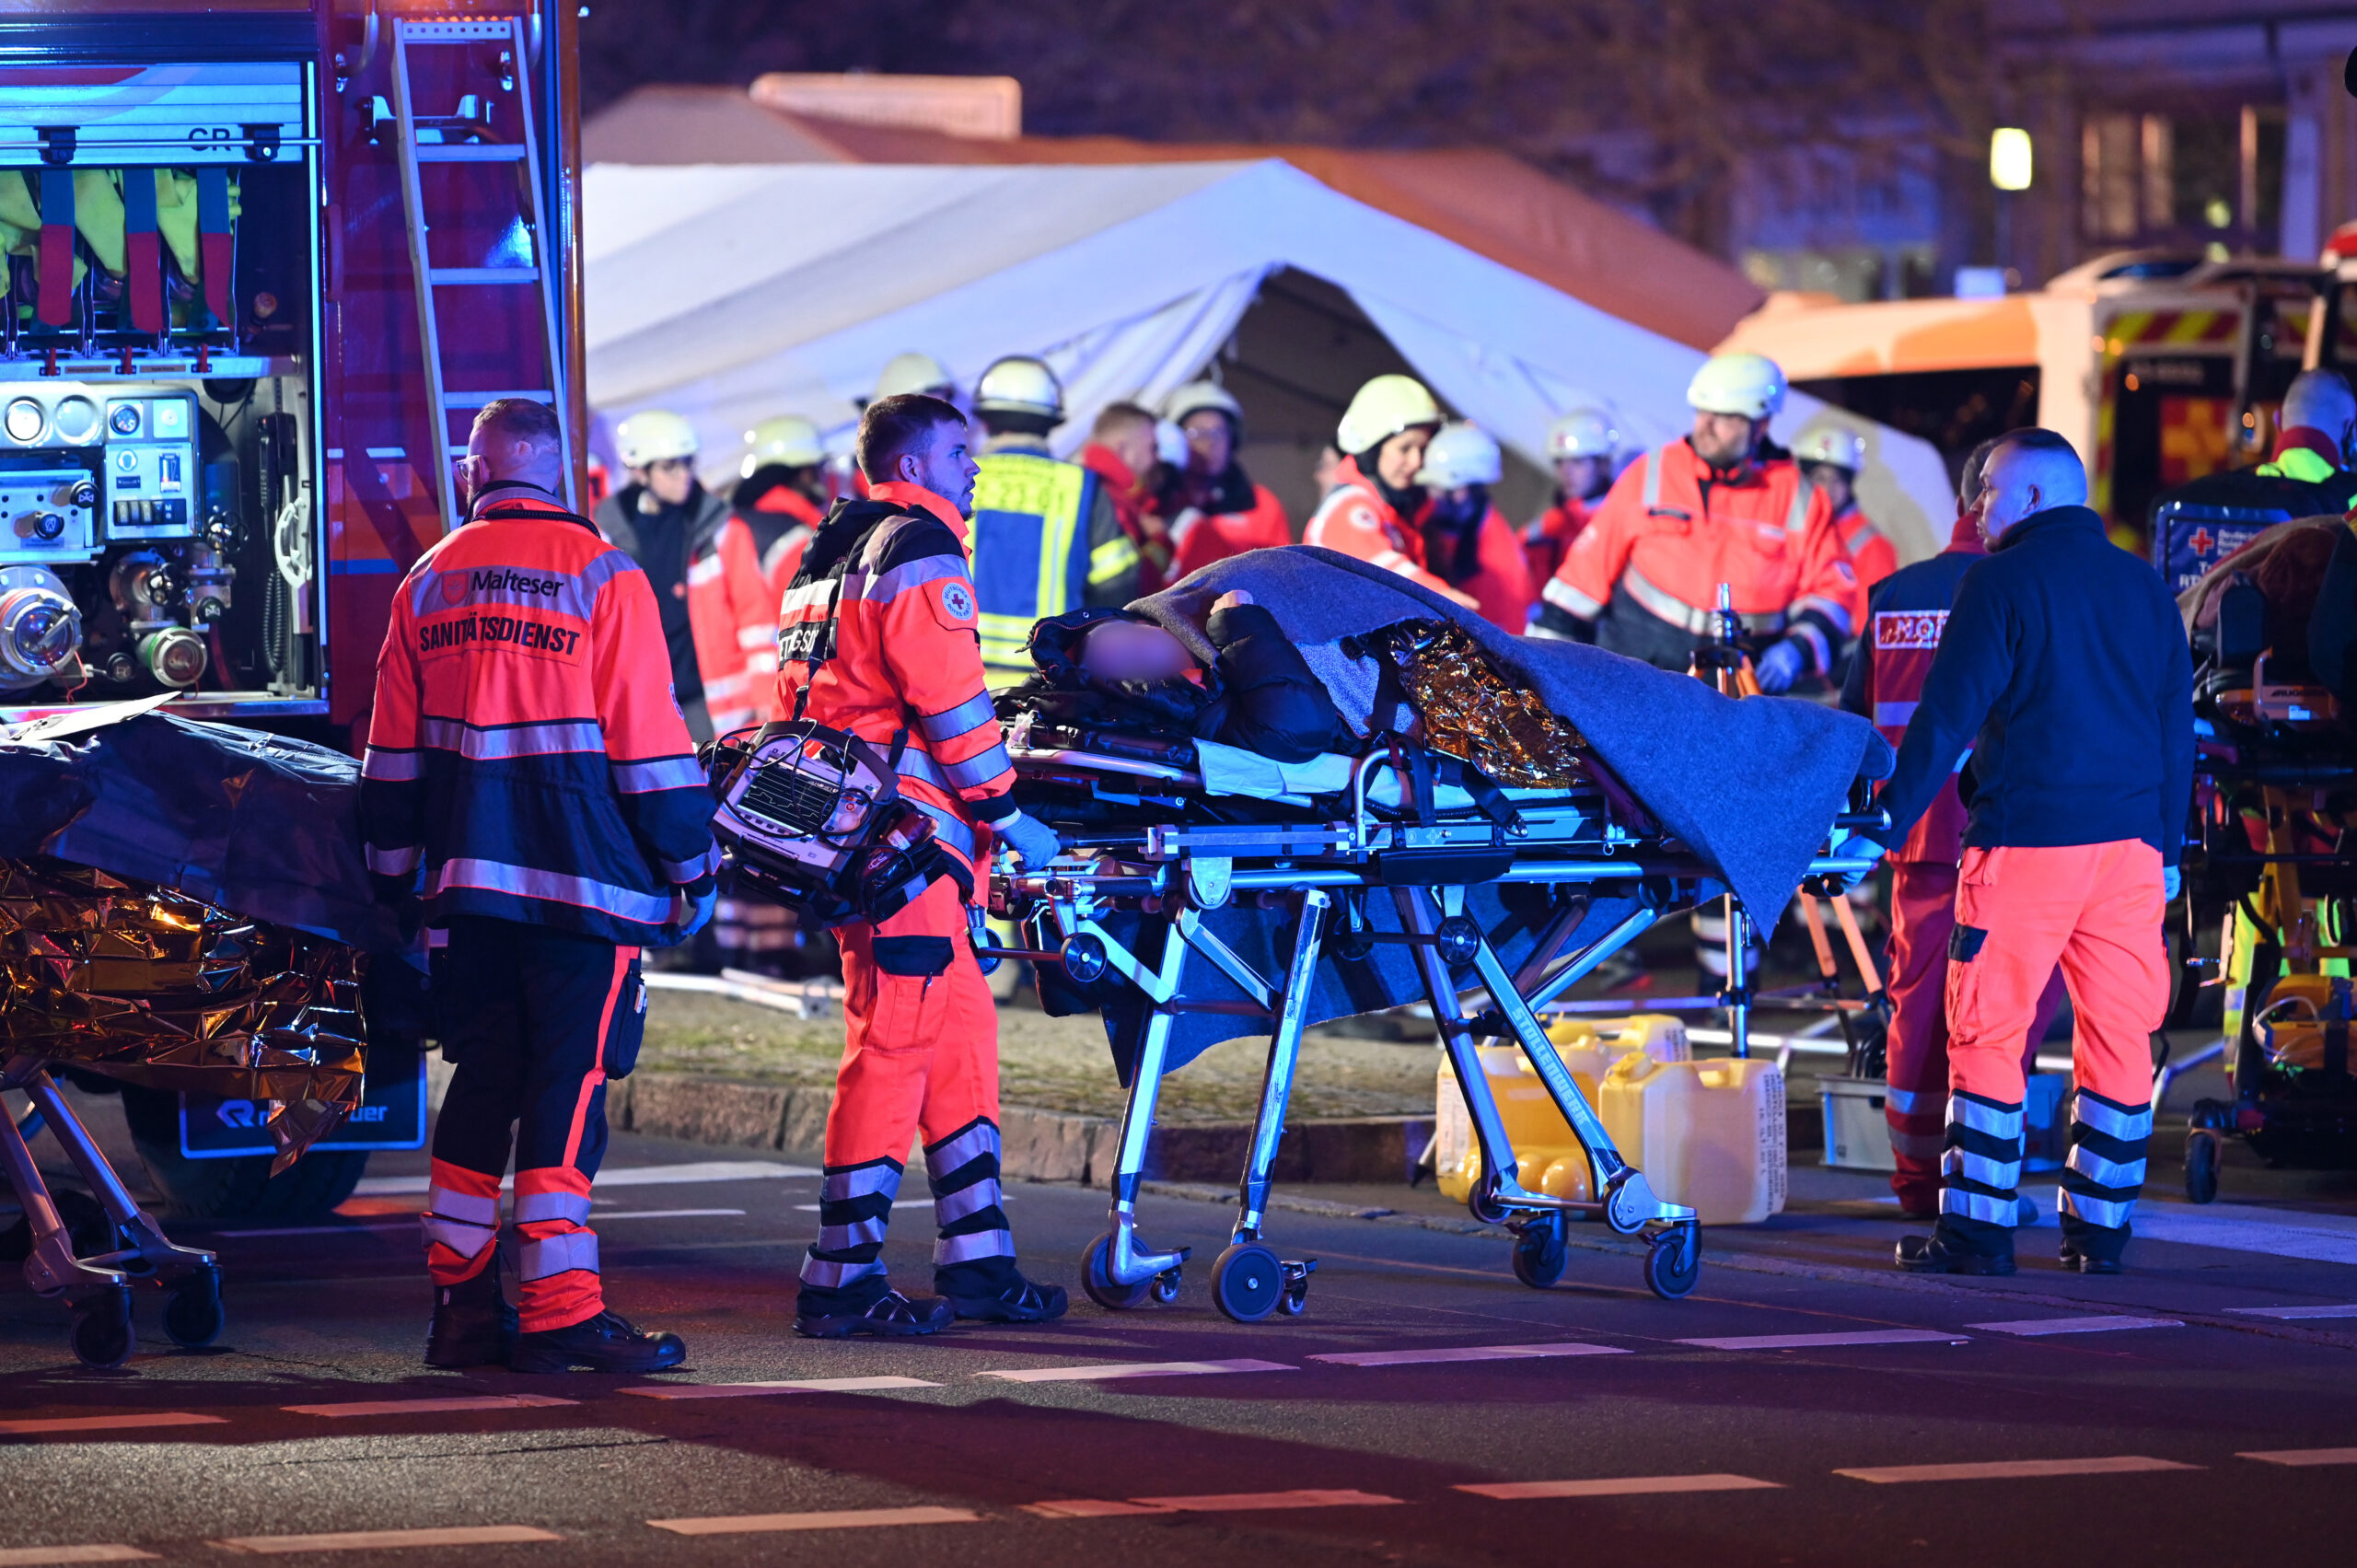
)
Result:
{"points": [[663, 772], [462, 1237], [2095, 1211], [818, 1271], [2104, 1172], [840, 1186], [2002, 1174], [1917, 1145], [395, 862], [539, 1259], [573, 1206], [951, 723], [2128, 1126], [966, 1248], [844, 1237], [961, 1149], [1908, 1104], [466, 1207], [1981, 1206], [950, 1207], [1997, 1121]]}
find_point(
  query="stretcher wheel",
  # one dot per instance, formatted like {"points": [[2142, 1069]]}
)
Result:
{"points": [[193, 1315], [1248, 1282], [101, 1335], [1083, 959], [1096, 1279], [1296, 1300], [1675, 1263], [2201, 1154], [1459, 939], [1539, 1254]]}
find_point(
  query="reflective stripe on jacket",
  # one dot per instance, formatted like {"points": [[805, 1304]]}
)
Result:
{"points": [[1872, 555], [1670, 533], [526, 749], [1045, 539], [731, 612], [1355, 519], [884, 608]]}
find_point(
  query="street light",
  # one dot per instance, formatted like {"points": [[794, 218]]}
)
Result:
{"points": [[2009, 158]]}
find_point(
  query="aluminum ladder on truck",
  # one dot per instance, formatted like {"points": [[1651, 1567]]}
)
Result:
{"points": [[449, 144]]}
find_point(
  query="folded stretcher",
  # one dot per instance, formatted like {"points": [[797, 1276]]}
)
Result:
{"points": [[1212, 894]]}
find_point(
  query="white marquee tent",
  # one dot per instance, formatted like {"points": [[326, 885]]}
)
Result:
{"points": [[728, 293]]}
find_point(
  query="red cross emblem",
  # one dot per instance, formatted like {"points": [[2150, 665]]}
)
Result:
{"points": [[2202, 542]]}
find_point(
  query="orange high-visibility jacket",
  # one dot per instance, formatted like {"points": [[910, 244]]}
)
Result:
{"points": [[1873, 555], [730, 610], [882, 630], [1664, 539], [1355, 519]]}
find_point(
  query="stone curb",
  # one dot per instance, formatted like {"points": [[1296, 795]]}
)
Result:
{"points": [[1038, 1145]]}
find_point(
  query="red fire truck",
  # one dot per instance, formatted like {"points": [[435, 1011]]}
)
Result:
{"points": [[263, 260]]}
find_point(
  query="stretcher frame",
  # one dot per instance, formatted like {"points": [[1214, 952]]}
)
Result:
{"points": [[97, 1289], [1426, 866]]}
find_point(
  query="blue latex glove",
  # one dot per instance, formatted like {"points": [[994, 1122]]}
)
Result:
{"points": [[1034, 843], [1858, 847], [1783, 663], [690, 915], [2172, 879]]}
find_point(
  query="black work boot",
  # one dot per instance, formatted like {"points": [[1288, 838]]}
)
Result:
{"points": [[1936, 1255], [991, 1290], [473, 1324], [2082, 1261], [604, 1344], [840, 1313]]}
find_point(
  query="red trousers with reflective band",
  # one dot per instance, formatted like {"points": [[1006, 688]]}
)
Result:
{"points": [[1923, 913], [534, 1020], [2095, 909]]}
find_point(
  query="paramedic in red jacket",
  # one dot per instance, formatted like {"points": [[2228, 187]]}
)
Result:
{"points": [[528, 771], [781, 499], [1886, 681], [1373, 509], [1121, 453], [1215, 509], [1467, 540], [1582, 445], [1722, 505], [880, 636]]}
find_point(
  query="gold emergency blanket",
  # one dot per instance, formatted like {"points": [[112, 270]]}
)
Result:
{"points": [[1472, 712], [149, 986]]}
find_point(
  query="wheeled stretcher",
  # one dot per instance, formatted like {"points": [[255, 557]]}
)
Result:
{"points": [[1215, 894]]}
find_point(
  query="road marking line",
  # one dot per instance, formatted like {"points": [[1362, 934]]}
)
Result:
{"points": [[792, 1385], [1242, 1502], [1813, 1342], [1618, 1486], [898, 1204], [2348, 1309], [1107, 1370], [628, 1176], [34, 1556], [107, 1422], [1088, 1508], [380, 1540], [2011, 1469], [2033, 1328], [600, 1216], [408, 1224], [418, 1407], [834, 1519], [2302, 1456], [1463, 1353]]}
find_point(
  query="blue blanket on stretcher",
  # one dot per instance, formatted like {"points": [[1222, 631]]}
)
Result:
{"points": [[1750, 786]]}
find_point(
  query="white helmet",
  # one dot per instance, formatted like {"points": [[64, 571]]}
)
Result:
{"points": [[1460, 454], [789, 440], [906, 373], [1019, 384], [1582, 432], [1382, 409], [1197, 396], [1170, 443], [1749, 384], [653, 435], [1833, 446]]}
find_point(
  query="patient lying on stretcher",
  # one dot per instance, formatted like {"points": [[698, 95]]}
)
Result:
{"points": [[1118, 669]]}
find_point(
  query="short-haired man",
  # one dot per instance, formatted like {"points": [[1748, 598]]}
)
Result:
{"points": [[527, 755], [1121, 453], [2063, 667], [880, 636]]}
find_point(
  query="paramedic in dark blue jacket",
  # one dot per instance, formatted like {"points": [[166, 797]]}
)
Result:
{"points": [[2063, 670]]}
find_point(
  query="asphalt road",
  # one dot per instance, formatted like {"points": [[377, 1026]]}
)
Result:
{"points": [[1957, 1436]]}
